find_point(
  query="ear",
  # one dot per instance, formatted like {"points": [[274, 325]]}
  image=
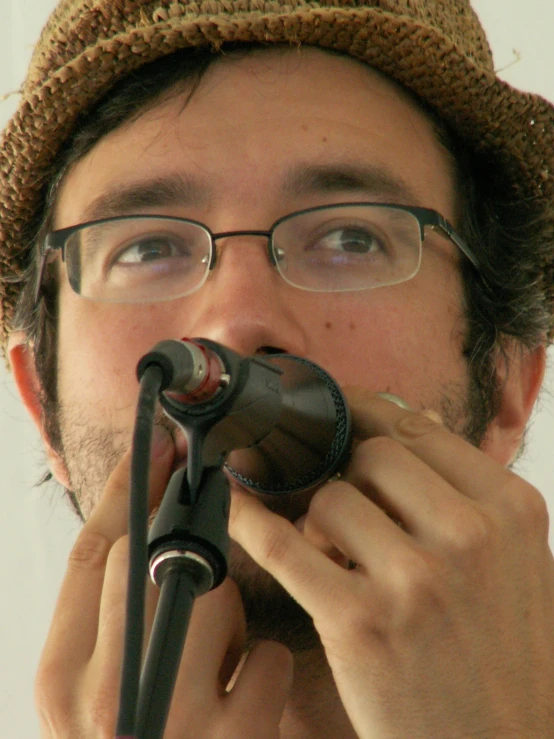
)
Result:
{"points": [[520, 374], [22, 361]]}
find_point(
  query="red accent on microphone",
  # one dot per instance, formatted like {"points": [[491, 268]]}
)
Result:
{"points": [[212, 379]]}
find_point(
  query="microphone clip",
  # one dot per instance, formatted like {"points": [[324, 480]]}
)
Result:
{"points": [[192, 536], [243, 408]]}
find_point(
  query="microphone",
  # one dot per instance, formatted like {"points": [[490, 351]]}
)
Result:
{"points": [[311, 439], [281, 422]]}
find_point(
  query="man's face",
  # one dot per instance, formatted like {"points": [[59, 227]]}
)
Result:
{"points": [[253, 125]]}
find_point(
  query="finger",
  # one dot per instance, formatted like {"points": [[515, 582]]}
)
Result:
{"points": [[214, 645], [323, 543], [108, 654], [355, 525], [275, 544], [104, 666], [75, 621], [463, 466], [406, 488], [260, 692]]}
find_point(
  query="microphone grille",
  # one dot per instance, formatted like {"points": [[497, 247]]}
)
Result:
{"points": [[311, 442]]}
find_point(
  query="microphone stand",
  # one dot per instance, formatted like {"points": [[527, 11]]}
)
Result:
{"points": [[188, 542], [188, 547]]}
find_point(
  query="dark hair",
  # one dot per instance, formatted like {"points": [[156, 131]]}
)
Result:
{"points": [[505, 302]]}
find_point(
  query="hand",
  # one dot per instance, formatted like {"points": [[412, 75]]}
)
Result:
{"points": [[446, 625], [77, 686]]}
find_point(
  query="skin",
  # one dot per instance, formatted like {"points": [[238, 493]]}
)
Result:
{"points": [[468, 571]]}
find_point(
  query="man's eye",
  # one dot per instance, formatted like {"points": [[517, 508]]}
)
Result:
{"points": [[355, 240], [149, 249]]}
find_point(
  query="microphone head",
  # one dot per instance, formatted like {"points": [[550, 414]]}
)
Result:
{"points": [[311, 440]]}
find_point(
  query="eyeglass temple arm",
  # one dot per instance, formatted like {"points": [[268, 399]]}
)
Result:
{"points": [[443, 225], [40, 277], [50, 246]]}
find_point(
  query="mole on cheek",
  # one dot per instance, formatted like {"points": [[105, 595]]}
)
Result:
{"points": [[352, 325], [324, 139], [328, 324], [304, 126]]}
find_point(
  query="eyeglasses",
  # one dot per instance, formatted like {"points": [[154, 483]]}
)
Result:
{"points": [[332, 248]]}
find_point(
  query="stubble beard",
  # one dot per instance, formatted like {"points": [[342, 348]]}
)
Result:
{"points": [[91, 453]]}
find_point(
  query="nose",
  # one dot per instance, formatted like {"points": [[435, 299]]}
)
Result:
{"points": [[246, 305]]}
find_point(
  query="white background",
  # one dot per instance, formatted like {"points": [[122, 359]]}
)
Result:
{"points": [[36, 527]]}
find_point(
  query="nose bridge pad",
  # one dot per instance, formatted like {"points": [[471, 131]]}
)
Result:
{"points": [[258, 235], [213, 257], [273, 252]]}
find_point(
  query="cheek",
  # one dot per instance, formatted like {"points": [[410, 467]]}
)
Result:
{"points": [[401, 339], [99, 346]]}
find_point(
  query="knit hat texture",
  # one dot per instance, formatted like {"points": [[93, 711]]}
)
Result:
{"points": [[436, 48]]}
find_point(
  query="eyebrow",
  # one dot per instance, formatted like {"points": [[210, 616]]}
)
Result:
{"points": [[127, 199], [346, 177], [303, 180]]}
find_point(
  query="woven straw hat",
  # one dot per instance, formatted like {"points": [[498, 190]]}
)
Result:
{"points": [[436, 48]]}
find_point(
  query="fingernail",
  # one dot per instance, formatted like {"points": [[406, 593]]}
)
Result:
{"points": [[395, 399], [433, 415], [161, 442], [416, 424]]}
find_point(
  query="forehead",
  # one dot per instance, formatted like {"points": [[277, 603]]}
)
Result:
{"points": [[255, 118]]}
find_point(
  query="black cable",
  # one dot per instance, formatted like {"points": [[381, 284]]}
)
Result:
{"points": [[150, 385]]}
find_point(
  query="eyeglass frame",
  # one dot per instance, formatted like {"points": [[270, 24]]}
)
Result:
{"points": [[426, 217]]}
